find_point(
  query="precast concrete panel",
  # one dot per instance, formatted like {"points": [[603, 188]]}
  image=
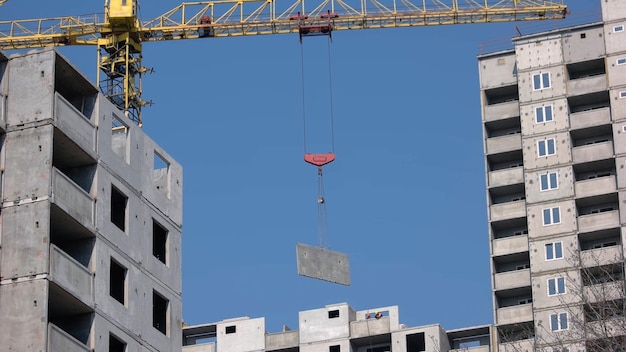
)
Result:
{"points": [[622, 208], [74, 124], [344, 345], [538, 258], [431, 343], [323, 264], [103, 328], [24, 315], [528, 115], [536, 53], [25, 240], [329, 323], [169, 272], [562, 149], [563, 188], [28, 157], [31, 75], [498, 70], [613, 10], [615, 36], [567, 218], [556, 89], [575, 317], [543, 299], [583, 44], [616, 69], [618, 104], [619, 137], [620, 166], [241, 335]]}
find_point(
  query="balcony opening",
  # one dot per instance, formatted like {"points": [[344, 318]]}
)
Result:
{"points": [[514, 297], [594, 169], [73, 161], [604, 310], [501, 95], [335, 348], [585, 69], [416, 342], [116, 344], [230, 329], [516, 332], [160, 312], [598, 204], [602, 274], [511, 262], [509, 228], [600, 239], [70, 315], [117, 281], [503, 127], [75, 88], [506, 194], [161, 174], [606, 344], [380, 348], [119, 204], [502, 161], [592, 135], [159, 242], [588, 102], [119, 138]]}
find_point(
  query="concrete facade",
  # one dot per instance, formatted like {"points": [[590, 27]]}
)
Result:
{"points": [[91, 218], [554, 117]]}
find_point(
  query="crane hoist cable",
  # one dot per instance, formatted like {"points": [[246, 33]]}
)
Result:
{"points": [[318, 159]]}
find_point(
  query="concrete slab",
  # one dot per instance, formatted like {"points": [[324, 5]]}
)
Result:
{"points": [[323, 264]]}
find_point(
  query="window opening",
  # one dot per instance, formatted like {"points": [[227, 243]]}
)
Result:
{"points": [[622, 95], [160, 307], [556, 286], [231, 329], [551, 216], [546, 147], [416, 342], [115, 344], [333, 314], [335, 348], [161, 174], [618, 29], [159, 242], [119, 137], [543, 114], [621, 61], [558, 321], [549, 181], [117, 281], [119, 204], [541, 81], [554, 250]]}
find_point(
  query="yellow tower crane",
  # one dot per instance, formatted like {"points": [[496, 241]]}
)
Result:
{"points": [[119, 34]]}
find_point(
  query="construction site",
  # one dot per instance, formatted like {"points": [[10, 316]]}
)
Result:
{"points": [[473, 184]]}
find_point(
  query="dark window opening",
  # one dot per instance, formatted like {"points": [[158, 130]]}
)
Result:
{"points": [[116, 345], [415, 342], [385, 348], [119, 202], [117, 282], [159, 242], [231, 329], [159, 312], [333, 314], [334, 348]]}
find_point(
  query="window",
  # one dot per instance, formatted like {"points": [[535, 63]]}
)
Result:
{"points": [[525, 301], [543, 114], [551, 216], [546, 147], [115, 344], [230, 329], [335, 348], [119, 203], [556, 286], [549, 181], [541, 81], [117, 281], [160, 307], [554, 250], [622, 95], [558, 321], [333, 314], [159, 242], [416, 342], [618, 29], [621, 61]]}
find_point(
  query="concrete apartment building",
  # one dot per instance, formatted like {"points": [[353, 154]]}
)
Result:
{"points": [[90, 219], [554, 117]]}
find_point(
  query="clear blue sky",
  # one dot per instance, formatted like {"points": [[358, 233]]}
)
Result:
{"points": [[405, 197]]}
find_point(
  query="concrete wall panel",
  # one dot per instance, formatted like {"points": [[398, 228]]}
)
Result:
{"points": [[241, 335], [620, 166], [615, 40], [572, 294], [344, 345], [618, 104], [616, 71], [103, 328], [539, 53], [537, 252], [558, 86], [317, 325], [536, 229], [168, 272], [613, 10], [562, 155], [583, 44], [323, 264], [23, 304], [498, 70], [565, 185], [559, 122]]}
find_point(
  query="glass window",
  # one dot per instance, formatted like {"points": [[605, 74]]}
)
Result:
{"points": [[558, 321], [556, 286], [543, 114], [619, 28], [554, 250], [546, 147], [622, 95], [551, 216], [541, 81], [621, 61], [548, 181]]}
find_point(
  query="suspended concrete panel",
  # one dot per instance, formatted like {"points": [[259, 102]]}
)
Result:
{"points": [[323, 264]]}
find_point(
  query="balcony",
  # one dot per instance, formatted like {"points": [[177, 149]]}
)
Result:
{"points": [[506, 177], [511, 210], [511, 279], [510, 245], [74, 124], [600, 256], [599, 221], [501, 111], [587, 84], [596, 186], [281, 340], [514, 314], [504, 144], [521, 345], [592, 152], [60, 341], [71, 198], [364, 328], [604, 292], [590, 118], [473, 349], [69, 274], [205, 347]]}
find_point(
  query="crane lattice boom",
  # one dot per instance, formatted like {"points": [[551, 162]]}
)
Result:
{"points": [[119, 34]]}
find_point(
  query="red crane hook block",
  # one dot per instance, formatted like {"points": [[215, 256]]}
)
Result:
{"points": [[319, 160]]}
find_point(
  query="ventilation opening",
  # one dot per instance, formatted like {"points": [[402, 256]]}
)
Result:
{"points": [[119, 137], [161, 174], [116, 345], [159, 242], [160, 306], [415, 342], [119, 203], [333, 314], [231, 329], [117, 281], [335, 348]]}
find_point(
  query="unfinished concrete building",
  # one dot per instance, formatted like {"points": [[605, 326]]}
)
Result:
{"points": [[334, 328], [90, 218], [554, 116]]}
